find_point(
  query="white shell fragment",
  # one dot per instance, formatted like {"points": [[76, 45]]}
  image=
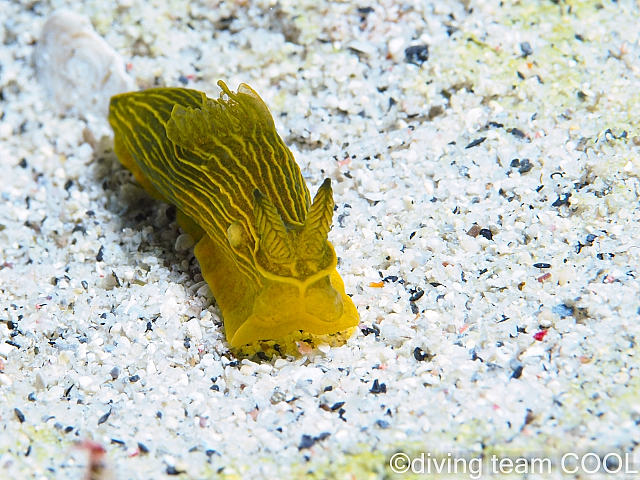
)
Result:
{"points": [[78, 69]]}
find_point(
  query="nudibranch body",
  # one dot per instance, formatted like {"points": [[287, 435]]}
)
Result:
{"points": [[262, 245]]}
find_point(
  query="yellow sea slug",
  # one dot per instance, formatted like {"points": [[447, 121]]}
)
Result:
{"points": [[262, 245]]}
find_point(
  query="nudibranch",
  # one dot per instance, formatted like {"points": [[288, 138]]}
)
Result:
{"points": [[262, 245]]}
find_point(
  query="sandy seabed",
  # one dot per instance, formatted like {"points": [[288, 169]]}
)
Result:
{"points": [[484, 157]]}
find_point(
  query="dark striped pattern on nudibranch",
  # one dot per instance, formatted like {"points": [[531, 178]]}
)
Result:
{"points": [[262, 246]]}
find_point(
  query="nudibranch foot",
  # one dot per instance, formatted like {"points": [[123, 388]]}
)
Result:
{"points": [[189, 226]]}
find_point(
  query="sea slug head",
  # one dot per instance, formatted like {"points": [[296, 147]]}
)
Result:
{"points": [[302, 289]]}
